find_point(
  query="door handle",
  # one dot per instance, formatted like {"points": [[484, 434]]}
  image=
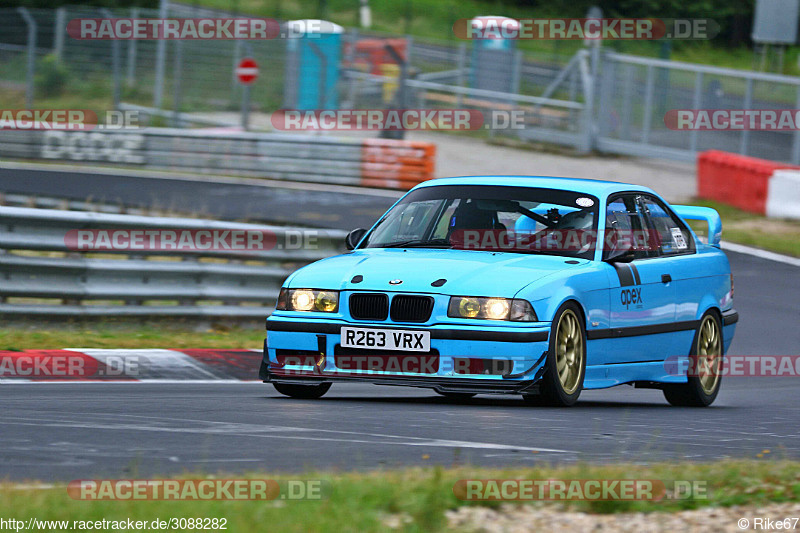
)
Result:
{"points": [[666, 278]]}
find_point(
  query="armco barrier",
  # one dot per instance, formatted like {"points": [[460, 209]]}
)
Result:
{"points": [[293, 157], [38, 266], [736, 180]]}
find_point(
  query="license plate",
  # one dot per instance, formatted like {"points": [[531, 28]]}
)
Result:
{"points": [[386, 339]]}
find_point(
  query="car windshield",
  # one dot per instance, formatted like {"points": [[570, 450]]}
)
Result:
{"points": [[491, 218]]}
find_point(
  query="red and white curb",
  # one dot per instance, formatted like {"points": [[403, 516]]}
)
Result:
{"points": [[134, 365]]}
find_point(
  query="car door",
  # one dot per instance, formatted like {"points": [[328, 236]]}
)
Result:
{"points": [[642, 294], [691, 273]]}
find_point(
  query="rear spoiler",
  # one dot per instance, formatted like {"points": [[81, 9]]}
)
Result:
{"points": [[693, 212]]}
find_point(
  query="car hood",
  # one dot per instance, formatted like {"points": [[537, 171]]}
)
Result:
{"points": [[467, 272]]}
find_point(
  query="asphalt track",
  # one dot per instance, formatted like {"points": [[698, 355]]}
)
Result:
{"points": [[71, 431]]}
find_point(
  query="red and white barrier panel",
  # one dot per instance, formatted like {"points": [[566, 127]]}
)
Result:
{"points": [[754, 185], [783, 194], [130, 365]]}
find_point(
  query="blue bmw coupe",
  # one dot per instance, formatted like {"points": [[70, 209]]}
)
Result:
{"points": [[525, 285]]}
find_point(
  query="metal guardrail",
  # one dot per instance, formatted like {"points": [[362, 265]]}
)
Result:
{"points": [[41, 275]]}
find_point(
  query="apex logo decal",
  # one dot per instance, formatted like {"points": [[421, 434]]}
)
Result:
{"points": [[631, 296]]}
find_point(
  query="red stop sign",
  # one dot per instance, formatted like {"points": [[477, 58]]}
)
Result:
{"points": [[247, 71]]}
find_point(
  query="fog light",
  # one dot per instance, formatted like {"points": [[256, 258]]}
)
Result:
{"points": [[327, 301], [469, 307]]}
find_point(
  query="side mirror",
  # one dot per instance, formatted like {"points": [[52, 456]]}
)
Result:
{"points": [[354, 237]]}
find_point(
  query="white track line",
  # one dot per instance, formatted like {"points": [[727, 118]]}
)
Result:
{"points": [[763, 254], [148, 424], [31, 486]]}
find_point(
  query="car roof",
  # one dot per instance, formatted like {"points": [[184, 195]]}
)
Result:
{"points": [[598, 188]]}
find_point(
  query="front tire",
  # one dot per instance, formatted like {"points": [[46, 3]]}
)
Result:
{"points": [[706, 361], [562, 380], [302, 392]]}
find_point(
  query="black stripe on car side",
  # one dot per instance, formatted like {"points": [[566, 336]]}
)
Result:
{"points": [[636, 274], [635, 331], [624, 273]]}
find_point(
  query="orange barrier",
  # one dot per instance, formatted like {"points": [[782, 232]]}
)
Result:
{"points": [[396, 164], [370, 54], [735, 179]]}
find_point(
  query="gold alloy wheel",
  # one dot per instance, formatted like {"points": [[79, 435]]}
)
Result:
{"points": [[569, 351], [709, 354]]}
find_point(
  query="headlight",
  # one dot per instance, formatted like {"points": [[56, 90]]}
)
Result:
{"points": [[516, 310], [308, 300]]}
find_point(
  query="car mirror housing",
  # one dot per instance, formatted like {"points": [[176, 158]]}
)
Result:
{"points": [[354, 237]]}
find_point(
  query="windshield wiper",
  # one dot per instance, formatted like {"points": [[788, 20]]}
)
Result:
{"points": [[418, 243]]}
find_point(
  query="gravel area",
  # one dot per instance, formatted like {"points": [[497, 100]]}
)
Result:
{"points": [[525, 518]]}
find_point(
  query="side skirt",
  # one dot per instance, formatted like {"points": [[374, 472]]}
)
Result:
{"points": [[605, 376]]}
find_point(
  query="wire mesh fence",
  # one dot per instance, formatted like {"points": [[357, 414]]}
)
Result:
{"points": [[594, 99]]}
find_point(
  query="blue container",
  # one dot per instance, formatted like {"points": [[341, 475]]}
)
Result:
{"points": [[492, 59], [312, 64]]}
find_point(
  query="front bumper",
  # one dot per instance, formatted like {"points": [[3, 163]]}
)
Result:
{"points": [[521, 350]]}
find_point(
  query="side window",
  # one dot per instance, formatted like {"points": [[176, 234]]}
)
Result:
{"points": [[625, 223], [671, 234]]}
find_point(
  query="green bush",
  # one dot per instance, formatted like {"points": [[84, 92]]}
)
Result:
{"points": [[51, 77]]}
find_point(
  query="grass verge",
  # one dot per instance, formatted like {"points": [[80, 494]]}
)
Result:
{"points": [[122, 335], [416, 499]]}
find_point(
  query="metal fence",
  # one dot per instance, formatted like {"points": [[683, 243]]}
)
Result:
{"points": [[636, 92], [195, 75], [595, 100], [42, 274]]}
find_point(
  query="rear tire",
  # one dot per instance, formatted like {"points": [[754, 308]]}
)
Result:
{"points": [[701, 390], [565, 367], [302, 392]]}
